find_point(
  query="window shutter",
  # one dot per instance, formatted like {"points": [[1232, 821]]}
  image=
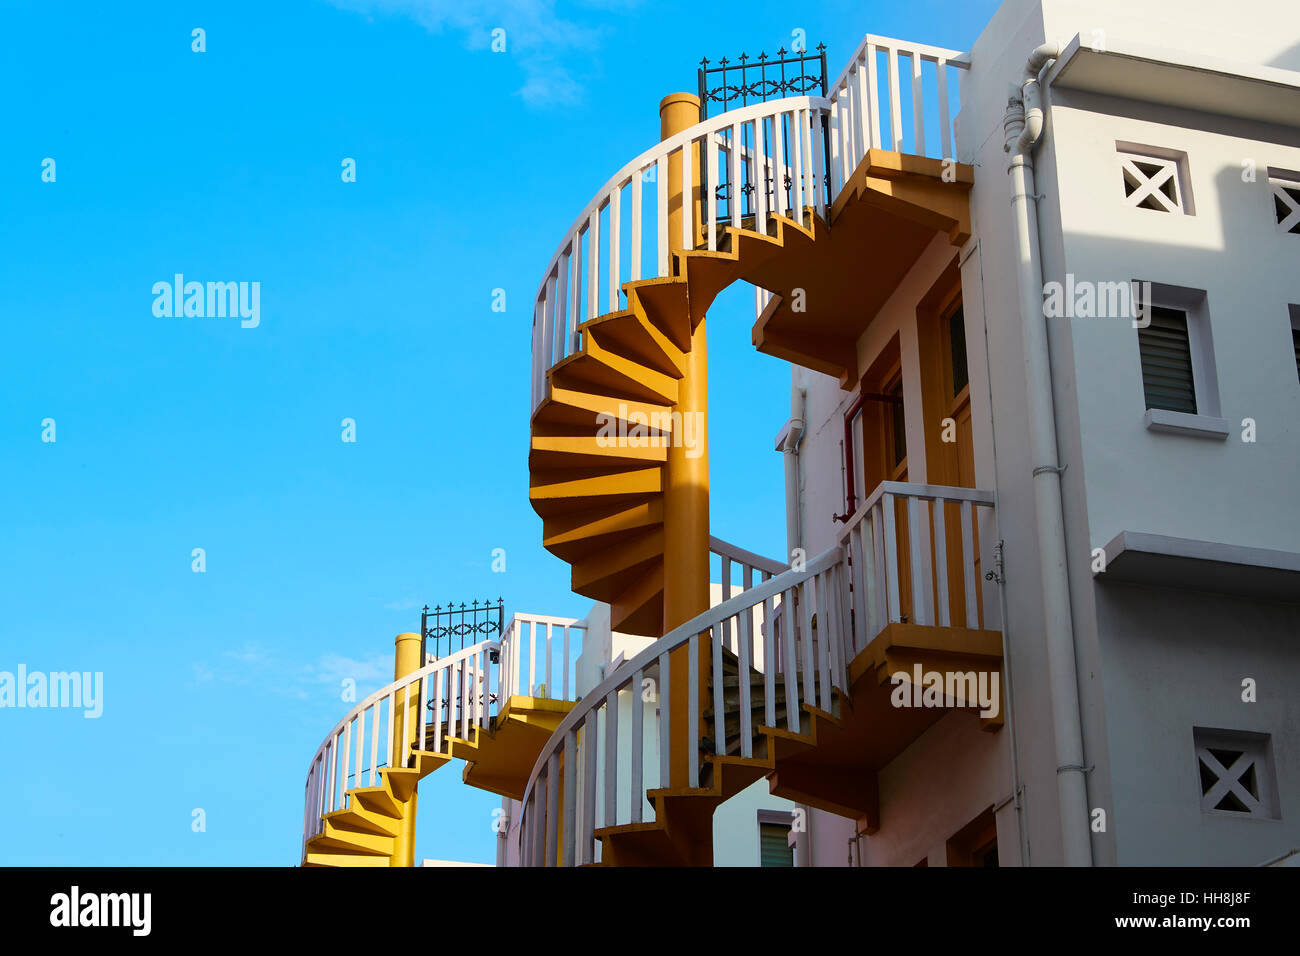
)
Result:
{"points": [[1167, 361], [774, 845]]}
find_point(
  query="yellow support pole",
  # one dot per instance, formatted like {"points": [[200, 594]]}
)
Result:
{"points": [[406, 660], [686, 484]]}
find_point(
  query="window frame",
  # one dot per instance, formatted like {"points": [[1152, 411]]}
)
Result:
{"points": [[1208, 420]]}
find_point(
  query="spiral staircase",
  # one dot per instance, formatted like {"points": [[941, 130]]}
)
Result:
{"points": [[786, 680], [601, 501]]}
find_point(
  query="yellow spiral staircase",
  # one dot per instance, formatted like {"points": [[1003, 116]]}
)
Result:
{"points": [[607, 509], [601, 502]]}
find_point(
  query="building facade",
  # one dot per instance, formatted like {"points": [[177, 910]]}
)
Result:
{"points": [[1041, 305]]}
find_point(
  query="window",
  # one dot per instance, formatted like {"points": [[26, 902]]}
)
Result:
{"points": [[1236, 773], [896, 430], [1286, 200], [1179, 382], [976, 844], [774, 838], [957, 351], [1167, 361], [1154, 178]]}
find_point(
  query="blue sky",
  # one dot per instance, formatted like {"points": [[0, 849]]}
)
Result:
{"points": [[182, 433]]}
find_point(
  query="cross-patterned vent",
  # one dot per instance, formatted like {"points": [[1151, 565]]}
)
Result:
{"points": [[1286, 204], [1236, 773], [1151, 182]]}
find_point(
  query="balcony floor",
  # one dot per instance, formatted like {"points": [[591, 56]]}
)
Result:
{"points": [[838, 773], [882, 221]]}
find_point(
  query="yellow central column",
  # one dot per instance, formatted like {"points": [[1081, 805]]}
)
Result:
{"points": [[686, 474], [406, 660]]}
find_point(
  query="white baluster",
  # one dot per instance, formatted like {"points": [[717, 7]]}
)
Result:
{"points": [[918, 119], [895, 108], [665, 741], [746, 690], [941, 564], [552, 808], [615, 242], [945, 129], [638, 746], [635, 271], [661, 211], [968, 565], [593, 257], [791, 664], [611, 758], [692, 708], [570, 796]]}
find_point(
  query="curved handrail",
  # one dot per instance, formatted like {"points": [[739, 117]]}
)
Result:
{"points": [[663, 148], [779, 142], [466, 692], [774, 650]]}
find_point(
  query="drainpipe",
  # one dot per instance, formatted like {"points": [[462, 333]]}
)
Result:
{"points": [[1023, 125], [790, 446], [794, 433]]}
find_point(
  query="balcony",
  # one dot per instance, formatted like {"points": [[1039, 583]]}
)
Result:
{"points": [[794, 679], [893, 192], [883, 178]]}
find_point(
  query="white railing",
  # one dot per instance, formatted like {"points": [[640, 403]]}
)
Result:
{"points": [[914, 553], [779, 144], [545, 651], [441, 702], [867, 103], [799, 629], [421, 711], [622, 233], [605, 754]]}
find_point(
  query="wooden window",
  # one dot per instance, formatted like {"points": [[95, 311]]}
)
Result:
{"points": [[896, 430], [956, 323], [976, 844]]}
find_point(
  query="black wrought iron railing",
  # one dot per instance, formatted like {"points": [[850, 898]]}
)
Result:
{"points": [[453, 627], [732, 84], [744, 80]]}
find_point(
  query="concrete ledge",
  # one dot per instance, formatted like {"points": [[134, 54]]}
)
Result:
{"points": [[1165, 561], [1180, 78], [1181, 423]]}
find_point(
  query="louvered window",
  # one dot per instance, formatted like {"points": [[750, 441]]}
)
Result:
{"points": [[774, 845], [1167, 361]]}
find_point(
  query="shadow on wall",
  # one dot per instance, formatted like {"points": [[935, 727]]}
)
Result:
{"points": [[1290, 60]]}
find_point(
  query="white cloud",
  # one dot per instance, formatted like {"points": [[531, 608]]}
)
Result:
{"points": [[535, 36]]}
